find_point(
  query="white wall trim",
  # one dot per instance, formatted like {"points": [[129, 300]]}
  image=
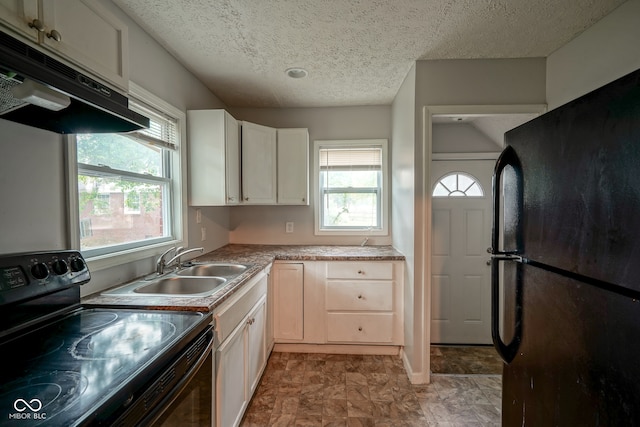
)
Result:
{"points": [[465, 156]]}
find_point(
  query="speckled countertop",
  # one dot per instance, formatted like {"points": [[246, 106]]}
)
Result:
{"points": [[259, 257]]}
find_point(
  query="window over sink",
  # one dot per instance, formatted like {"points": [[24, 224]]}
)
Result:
{"points": [[351, 190], [130, 186]]}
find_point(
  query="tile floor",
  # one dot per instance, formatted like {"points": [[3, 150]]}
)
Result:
{"points": [[299, 389], [465, 360]]}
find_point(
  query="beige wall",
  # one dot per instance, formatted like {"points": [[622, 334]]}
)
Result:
{"points": [[266, 224], [461, 138], [604, 52], [403, 201]]}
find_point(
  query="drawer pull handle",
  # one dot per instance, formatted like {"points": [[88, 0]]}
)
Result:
{"points": [[360, 272], [359, 296], [360, 328]]}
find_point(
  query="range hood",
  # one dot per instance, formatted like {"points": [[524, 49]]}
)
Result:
{"points": [[40, 91]]}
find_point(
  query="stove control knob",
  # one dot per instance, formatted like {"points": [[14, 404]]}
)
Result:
{"points": [[40, 271], [59, 267], [77, 265]]}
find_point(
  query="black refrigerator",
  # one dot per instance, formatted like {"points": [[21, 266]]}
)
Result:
{"points": [[566, 263]]}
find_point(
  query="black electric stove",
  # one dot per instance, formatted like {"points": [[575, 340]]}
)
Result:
{"points": [[66, 364]]}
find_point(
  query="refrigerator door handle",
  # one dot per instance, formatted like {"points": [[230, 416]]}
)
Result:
{"points": [[507, 177], [506, 351], [508, 158]]}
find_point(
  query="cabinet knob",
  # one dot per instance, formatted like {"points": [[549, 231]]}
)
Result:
{"points": [[37, 25], [360, 272], [360, 328], [246, 199], [54, 35], [359, 296]]}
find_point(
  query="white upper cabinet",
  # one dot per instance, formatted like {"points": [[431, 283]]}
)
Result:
{"points": [[233, 162], [19, 15], [259, 164], [214, 158], [275, 165], [81, 32], [293, 166]]}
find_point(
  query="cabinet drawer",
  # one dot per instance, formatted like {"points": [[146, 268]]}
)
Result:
{"points": [[357, 327], [360, 295], [360, 270], [230, 315]]}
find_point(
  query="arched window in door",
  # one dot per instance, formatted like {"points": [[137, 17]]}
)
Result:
{"points": [[458, 184]]}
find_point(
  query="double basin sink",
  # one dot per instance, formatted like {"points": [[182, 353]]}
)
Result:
{"points": [[195, 280]]}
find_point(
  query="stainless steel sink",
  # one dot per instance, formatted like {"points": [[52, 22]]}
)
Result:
{"points": [[182, 286], [195, 280], [172, 286], [214, 269]]}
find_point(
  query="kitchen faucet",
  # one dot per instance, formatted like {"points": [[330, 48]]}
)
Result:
{"points": [[161, 263], [181, 251]]}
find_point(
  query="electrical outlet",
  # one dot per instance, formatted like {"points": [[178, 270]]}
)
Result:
{"points": [[203, 232], [198, 216], [288, 227]]}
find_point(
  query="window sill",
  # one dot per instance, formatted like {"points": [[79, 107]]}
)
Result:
{"points": [[103, 262]]}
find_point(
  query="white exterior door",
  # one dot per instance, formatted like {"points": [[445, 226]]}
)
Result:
{"points": [[461, 234]]}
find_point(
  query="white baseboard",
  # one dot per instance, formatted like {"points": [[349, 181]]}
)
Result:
{"points": [[387, 350], [415, 377]]}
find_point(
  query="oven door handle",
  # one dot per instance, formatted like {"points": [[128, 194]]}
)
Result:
{"points": [[160, 407]]}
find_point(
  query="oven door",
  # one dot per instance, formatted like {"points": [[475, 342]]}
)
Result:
{"points": [[179, 396], [193, 405]]}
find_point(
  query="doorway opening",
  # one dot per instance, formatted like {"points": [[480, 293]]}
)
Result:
{"points": [[463, 142]]}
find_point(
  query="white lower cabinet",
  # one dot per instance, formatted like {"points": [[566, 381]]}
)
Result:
{"points": [[363, 302], [338, 302], [256, 344], [231, 380], [288, 282], [242, 353]]}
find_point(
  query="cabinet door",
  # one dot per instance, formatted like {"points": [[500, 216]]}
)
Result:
{"points": [[18, 14], [258, 164], [293, 167], [232, 159], [231, 380], [214, 158], [256, 344], [288, 301], [89, 36]]}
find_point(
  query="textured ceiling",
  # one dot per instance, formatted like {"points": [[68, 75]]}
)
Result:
{"points": [[357, 52]]}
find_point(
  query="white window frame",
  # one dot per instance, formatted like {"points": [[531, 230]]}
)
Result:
{"points": [[464, 195], [384, 214], [178, 207]]}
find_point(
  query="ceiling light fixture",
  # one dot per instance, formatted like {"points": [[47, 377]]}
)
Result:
{"points": [[296, 73]]}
